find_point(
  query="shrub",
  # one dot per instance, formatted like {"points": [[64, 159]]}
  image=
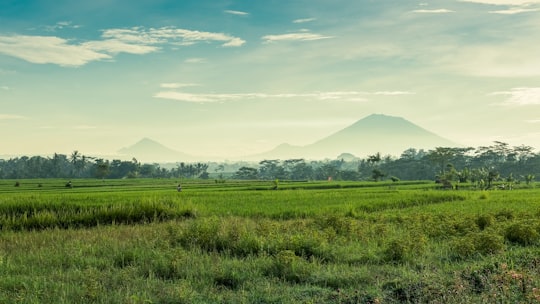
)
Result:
{"points": [[404, 248], [396, 251], [286, 265], [484, 221], [463, 247], [229, 278], [504, 215], [484, 243], [488, 243], [203, 233], [522, 234]]}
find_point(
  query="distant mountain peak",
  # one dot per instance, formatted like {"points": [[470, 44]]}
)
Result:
{"points": [[151, 150], [374, 133], [145, 143]]}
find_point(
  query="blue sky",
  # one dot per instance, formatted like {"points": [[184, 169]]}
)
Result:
{"points": [[234, 78]]}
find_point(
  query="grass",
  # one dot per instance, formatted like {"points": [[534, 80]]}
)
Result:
{"points": [[140, 241]]}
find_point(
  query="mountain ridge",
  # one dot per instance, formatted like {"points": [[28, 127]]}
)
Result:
{"points": [[371, 134], [374, 133], [148, 149]]}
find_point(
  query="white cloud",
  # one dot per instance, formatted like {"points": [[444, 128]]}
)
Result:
{"points": [[348, 96], [434, 11], [236, 13], [5, 88], [113, 46], [521, 96], [177, 85], [503, 2], [512, 59], [304, 20], [134, 35], [188, 97], [291, 123], [55, 50], [515, 10], [11, 117], [183, 35], [533, 121], [393, 93], [302, 36], [195, 60], [61, 25], [48, 49]]}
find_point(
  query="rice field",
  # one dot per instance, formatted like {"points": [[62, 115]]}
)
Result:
{"points": [[141, 241]]}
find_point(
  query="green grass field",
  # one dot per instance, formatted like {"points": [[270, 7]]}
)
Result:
{"points": [[141, 241]]}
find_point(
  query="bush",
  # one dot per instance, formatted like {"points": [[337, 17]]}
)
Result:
{"points": [[286, 265], [484, 221], [405, 248], [488, 243], [230, 278], [484, 243], [522, 234], [504, 215], [463, 247]]}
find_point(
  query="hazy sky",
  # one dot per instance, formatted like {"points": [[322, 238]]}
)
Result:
{"points": [[231, 77]]}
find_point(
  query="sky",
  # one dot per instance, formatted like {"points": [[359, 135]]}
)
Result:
{"points": [[232, 77]]}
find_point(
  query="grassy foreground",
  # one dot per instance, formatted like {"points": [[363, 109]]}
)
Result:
{"points": [[140, 241]]}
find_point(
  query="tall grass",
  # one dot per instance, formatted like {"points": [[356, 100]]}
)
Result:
{"points": [[230, 244]]}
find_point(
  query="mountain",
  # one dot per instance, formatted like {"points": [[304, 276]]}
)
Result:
{"points": [[149, 150], [372, 134]]}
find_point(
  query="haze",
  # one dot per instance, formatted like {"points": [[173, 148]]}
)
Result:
{"points": [[242, 77]]}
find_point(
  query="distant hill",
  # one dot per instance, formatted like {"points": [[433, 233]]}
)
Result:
{"points": [[372, 134], [149, 150], [369, 135]]}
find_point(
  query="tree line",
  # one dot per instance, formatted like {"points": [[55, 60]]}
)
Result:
{"points": [[77, 165], [447, 165]]}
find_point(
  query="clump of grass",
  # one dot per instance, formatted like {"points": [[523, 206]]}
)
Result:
{"points": [[488, 243], [289, 267], [483, 243], [32, 215], [522, 234], [231, 275], [342, 225], [484, 221], [405, 248], [505, 214]]}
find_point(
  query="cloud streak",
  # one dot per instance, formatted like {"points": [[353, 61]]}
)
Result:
{"points": [[299, 36], [11, 117], [240, 13], [521, 96], [351, 96], [177, 85], [515, 10], [304, 20], [138, 41], [47, 49], [434, 11], [503, 2]]}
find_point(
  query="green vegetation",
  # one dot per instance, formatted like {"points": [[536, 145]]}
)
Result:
{"points": [[141, 241], [482, 167]]}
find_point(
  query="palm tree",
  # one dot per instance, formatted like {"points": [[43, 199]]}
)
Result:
{"points": [[74, 159]]}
